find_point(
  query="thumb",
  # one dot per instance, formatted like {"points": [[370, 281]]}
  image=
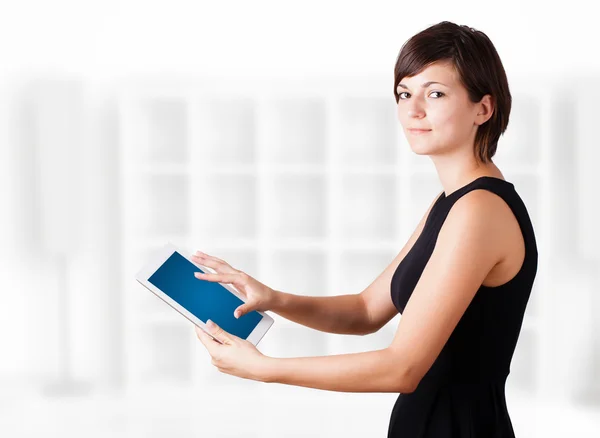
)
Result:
{"points": [[218, 332], [242, 310]]}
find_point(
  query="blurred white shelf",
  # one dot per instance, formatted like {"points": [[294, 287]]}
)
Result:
{"points": [[311, 187], [294, 169], [159, 168], [369, 169], [383, 246], [169, 317]]}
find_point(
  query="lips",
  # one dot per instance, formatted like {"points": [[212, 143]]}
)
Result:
{"points": [[419, 131]]}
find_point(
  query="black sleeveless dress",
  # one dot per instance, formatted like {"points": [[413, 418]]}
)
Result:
{"points": [[463, 393]]}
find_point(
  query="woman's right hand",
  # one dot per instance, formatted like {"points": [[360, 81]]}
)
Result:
{"points": [[257, 295]]}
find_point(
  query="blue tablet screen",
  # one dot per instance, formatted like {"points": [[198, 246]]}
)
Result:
{"points": [[203, 299]]}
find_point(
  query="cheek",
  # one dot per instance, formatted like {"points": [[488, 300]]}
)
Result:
{"points": [[447, 121], [400, 114]]}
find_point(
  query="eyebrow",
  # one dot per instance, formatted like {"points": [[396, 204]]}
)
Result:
{"points": [[425, 85]]}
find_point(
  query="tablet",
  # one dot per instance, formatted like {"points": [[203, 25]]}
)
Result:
{"points": [[170, 275]]}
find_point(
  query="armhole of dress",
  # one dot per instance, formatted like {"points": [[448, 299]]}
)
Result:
{"points": [[439, 198], [432, 212], [521, 271]]}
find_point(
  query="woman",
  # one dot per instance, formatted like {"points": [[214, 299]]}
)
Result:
{"points": [[461, 282]]}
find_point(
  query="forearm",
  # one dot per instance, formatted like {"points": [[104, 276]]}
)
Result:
{"points": [[371, 371], [340, 314]]}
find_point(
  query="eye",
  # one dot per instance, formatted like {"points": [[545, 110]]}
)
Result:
{"points": [[405, 92]]}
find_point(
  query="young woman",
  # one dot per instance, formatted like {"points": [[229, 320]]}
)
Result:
{"points": [[461, 282]]}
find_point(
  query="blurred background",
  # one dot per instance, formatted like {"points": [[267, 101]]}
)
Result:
{"points": [[263, 133]]}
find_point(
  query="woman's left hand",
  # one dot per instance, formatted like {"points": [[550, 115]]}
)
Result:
{"points": [[235, 356]]}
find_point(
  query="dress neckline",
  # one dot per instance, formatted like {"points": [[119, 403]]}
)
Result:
{"points": [[488, 177]]}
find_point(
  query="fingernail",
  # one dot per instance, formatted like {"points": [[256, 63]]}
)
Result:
{"points": [[210, 324]]}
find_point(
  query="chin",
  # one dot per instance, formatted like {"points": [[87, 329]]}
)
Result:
{"points": [[420, 150]]}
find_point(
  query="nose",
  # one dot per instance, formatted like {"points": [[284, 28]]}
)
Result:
{"points": [[414, 107], [415, 111], [415, 115]]}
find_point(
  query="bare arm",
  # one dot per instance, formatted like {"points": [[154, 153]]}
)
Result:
{"points": [[370, 371], [341, 314], [354, 314], [460, 261], [377, 297]]}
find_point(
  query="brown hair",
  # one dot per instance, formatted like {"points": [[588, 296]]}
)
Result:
{"points": [[479, 68]]}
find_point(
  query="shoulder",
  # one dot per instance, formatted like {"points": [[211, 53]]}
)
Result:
{"points": [[478, 219], [480, 206]]}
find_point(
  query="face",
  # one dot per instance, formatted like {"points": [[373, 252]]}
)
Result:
{"points": [[444, 110]]}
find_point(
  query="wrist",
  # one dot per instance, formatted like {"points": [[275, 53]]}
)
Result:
{"points": [[277, 302], [266, 370]]}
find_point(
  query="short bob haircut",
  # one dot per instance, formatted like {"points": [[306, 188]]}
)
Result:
{"points": [[479, 68]]}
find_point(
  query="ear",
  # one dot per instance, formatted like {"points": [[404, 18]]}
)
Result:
{"points": [[485, 109]]}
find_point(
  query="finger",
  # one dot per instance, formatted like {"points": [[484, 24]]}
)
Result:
{"points": [[241, 311], [208, 341], [218, 332], [213, 262], [215, 266], [203, 254], [221, 278], [202, 336]]}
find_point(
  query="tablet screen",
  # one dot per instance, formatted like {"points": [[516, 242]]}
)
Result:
{"points": [[203, 299]]}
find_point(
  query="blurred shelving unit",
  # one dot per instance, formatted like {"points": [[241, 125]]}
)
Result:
{"points": [[311, 188]]}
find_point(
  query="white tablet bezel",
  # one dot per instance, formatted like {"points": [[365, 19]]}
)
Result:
{"points": [[160, 257]]}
